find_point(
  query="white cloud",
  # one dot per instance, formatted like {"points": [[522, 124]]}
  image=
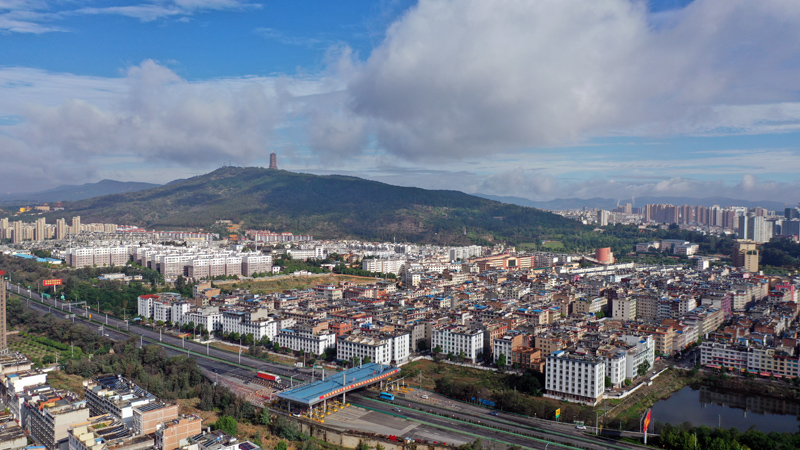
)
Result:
{"points": [[36, 16], [470, 77]]}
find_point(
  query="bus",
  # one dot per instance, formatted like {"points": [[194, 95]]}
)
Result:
{"points": [[386, 396]]}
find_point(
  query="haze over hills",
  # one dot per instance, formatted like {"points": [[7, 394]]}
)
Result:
{"points": [[78, 192], [325, 206], [608, 203]]}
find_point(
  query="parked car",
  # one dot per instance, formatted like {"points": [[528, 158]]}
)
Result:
{"points": [[494, 413], [397, 410], [581, 427]]}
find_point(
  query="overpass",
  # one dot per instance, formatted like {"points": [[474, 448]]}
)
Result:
{"points": [[309, 396]]}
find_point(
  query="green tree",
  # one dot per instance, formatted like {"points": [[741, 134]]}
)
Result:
{"points": [[437, 349], [608, 382], [501, 360], [367, 360], [263, 418], [643, 368], [228, 425], [281, 446]]}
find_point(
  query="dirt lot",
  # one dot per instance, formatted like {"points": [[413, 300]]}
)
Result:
{"points": [[285, 282]]}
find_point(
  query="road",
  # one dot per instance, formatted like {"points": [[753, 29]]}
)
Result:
{"points": [[467, 417]]}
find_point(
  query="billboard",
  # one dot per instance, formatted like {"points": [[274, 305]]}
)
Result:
{"points": [[53, 282]]}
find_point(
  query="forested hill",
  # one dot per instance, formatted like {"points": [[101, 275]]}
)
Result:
{"points": [[325, 206]]}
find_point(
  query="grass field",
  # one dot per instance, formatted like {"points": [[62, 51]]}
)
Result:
{"points": [[283, 283], [432, 371], [553, 245]]}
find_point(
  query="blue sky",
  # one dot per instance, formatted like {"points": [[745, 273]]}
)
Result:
{"points": [[537, 99]]}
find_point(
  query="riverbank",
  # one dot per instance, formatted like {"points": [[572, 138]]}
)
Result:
{"points": [[627, 413]]}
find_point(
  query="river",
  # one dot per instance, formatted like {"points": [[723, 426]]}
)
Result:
{"points": [[706, 406]]}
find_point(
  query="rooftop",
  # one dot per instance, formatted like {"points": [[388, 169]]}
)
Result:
{"points": [[348, 380]]}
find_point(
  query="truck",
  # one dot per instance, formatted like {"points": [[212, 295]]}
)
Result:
{"points": [[268, 376]]}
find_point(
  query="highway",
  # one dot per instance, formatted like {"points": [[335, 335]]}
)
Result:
{"points": [[473, 419]]}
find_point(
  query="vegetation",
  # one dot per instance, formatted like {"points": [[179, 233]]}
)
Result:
{"points": [[325, 206], [686, 437]]}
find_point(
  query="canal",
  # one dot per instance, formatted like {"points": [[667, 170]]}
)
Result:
{"points": [[705, 406]]}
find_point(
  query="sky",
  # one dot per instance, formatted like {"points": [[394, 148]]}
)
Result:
{"points": [[538, 99]]}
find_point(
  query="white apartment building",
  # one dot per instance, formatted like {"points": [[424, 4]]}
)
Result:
{"points": [[381, 350], [177, 310], [458, 339], [575, 378], [254, 264], [209, 317], [624, 308], [145, 305], [616, 361], [503, 346], [255, 322], [642, 348], [162, 311], [394, 266], [302, 338]]}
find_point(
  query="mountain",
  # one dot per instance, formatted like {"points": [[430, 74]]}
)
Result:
{"points": [[609, 203], [325, 206], [73, 192]]}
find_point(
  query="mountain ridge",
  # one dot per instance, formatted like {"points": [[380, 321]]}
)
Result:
{"points": [[74, 192], [332, 206]]}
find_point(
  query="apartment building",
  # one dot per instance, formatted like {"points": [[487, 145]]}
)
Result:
{"points": [[458, 340], [209, 317], [507, 345], [576, 378], [115, 395], [169, 437], [303, 337], [255, 321], [148, 418], [50, 414], [624, 308], [383, 349]]}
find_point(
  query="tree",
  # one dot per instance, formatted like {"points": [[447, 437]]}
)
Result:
{"points": [[643, 368], [228, 425], [356, 361], [608, 382], [628, 382], [263, 418], [501, 360], [437, 349], [367, 360], [281, 446]]}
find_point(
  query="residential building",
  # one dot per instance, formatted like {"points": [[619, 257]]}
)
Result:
{"points": [[576, 378]]}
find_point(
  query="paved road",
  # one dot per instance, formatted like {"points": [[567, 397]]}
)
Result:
{"points": [[466, 415]]}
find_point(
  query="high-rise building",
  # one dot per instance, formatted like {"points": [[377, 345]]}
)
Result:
{"points": [[273, 161], [76, 225], [745, 255], [61, 228], [756, 228], [18, 233], [40, 232], [602, 217]]}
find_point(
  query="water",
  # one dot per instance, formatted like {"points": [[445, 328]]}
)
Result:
{"points": [[706, 406]]}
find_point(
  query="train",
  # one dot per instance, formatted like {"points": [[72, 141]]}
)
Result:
{"points": [[268, 376]]}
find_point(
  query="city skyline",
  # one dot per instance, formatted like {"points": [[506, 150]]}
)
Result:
{"points": [[538, 100]]}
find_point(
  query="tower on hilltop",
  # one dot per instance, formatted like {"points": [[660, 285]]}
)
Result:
{"points": [[273, 161]]}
